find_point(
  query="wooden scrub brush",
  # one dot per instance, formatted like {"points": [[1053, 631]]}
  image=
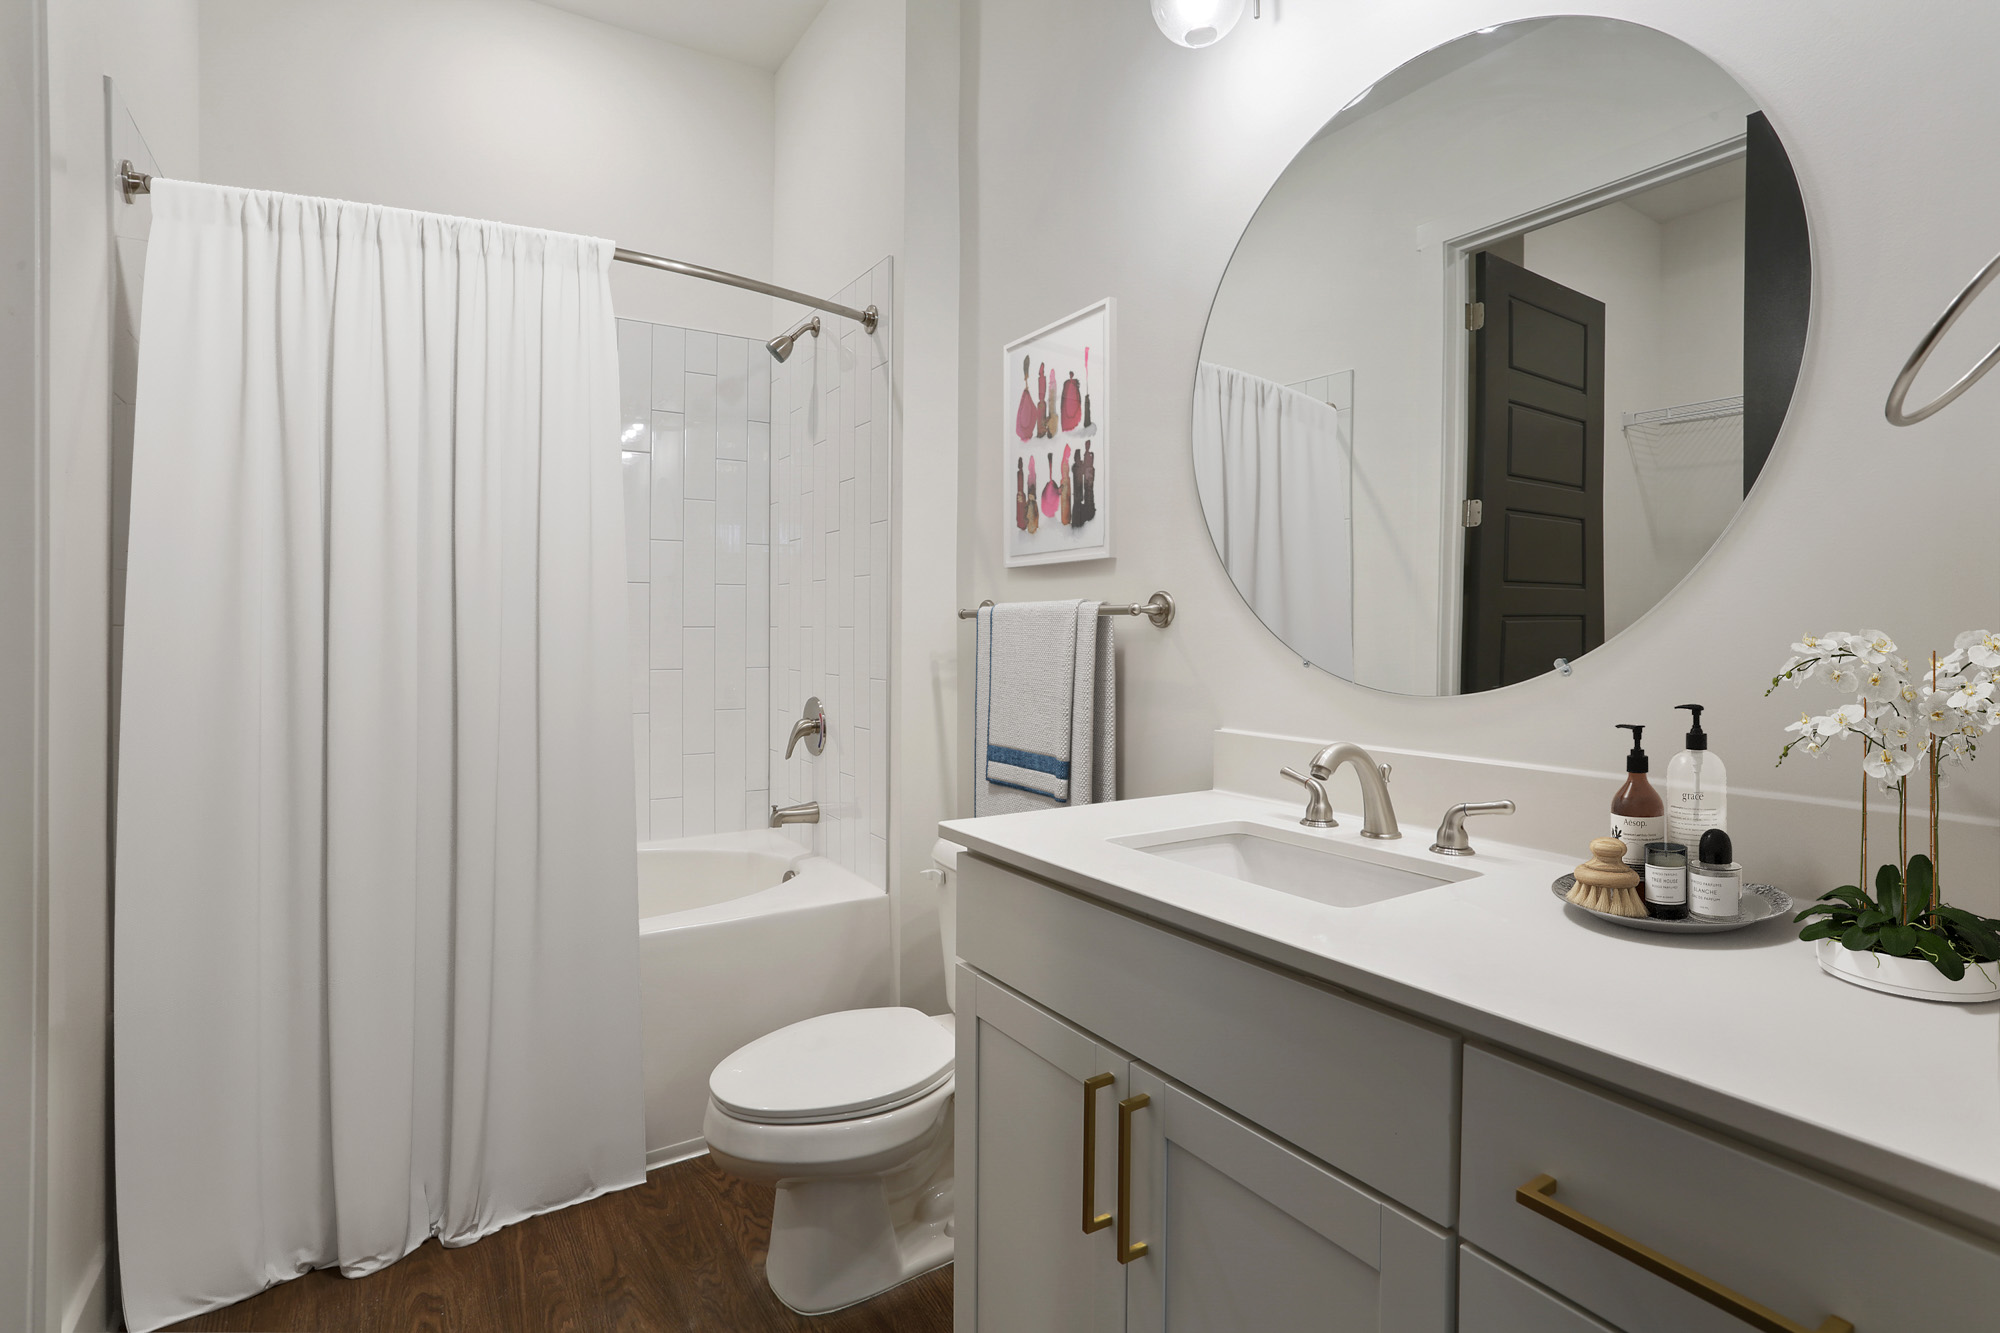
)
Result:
{"points": [[1605, 883]]}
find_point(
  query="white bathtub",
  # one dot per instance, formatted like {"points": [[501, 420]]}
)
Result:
{"points": [[730, 950]]}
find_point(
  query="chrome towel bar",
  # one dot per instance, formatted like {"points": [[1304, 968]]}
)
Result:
{"points": [[1159, 608]]}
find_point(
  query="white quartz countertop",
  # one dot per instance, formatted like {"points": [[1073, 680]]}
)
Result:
{"points": [[1738, 1030]]}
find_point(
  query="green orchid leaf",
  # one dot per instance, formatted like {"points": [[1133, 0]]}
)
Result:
{"points": [[1874, 918], [1858, 938], [1982, 933], [1822, 930], [1941, 954], [1900, 941], [1922, 888], [1848, 894], [1839, 911], [1889, 890]]}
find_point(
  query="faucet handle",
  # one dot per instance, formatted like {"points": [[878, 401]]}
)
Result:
{"points": [[1319, 810], [1451, 839]]}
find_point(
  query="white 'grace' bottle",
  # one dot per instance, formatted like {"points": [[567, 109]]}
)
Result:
{"points": [[1697, 789]]}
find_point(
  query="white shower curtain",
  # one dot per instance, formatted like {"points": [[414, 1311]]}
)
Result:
{"points": [[375, 972], [1275, 476]]}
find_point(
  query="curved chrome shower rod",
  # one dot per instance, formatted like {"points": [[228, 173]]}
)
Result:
{"points": [[135, 182]]}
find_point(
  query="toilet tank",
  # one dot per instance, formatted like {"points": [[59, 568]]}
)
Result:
{"points": [[944, 873]]}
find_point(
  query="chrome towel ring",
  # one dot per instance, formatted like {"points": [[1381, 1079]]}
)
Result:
{"points": [[1900, 391]]}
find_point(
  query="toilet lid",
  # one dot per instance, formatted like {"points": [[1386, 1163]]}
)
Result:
{"points": [[835, 1067]]}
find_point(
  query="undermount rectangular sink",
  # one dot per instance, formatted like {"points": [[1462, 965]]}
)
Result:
{"points": [[1305, 866]]}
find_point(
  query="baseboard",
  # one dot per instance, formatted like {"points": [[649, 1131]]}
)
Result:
{"points": [[87, 1310], [667, 1156]]}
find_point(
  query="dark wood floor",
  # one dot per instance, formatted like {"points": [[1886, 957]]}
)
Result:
{"points": [[683, 1253]]}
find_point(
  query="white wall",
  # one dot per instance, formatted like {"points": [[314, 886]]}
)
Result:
{"points": [[22, 953], [867, 166], [1875, 110], [838, 195], [1341, 269], [508, 110], [149, 48]]}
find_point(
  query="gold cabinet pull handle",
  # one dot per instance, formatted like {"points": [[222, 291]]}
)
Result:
{"points": [[1539, 1195], [1128, 1249], [1092, 1219]]}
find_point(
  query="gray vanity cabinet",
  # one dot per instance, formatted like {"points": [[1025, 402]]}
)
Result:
{"points": [[1224, 1228], [1024, 1260], [1243, 1232]]}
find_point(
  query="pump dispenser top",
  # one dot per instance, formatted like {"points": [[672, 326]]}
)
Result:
{"points": [[1636, 762], [1697, 739]]}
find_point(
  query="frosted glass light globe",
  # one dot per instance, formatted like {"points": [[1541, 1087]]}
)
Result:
{"points": [[1197, 22]]}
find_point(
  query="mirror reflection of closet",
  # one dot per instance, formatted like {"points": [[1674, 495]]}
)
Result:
{"points": [[1500, 354]]}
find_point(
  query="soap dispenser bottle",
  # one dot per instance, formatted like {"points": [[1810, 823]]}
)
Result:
{"points": [[1697, 788], [1638, 815]]}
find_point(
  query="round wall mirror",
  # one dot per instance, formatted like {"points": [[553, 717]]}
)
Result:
{"points": [[1500, 354]]}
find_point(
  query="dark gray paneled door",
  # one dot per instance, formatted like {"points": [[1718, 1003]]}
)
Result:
{"points": [[1534, 566]]}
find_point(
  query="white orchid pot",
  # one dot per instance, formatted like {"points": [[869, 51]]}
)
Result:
{"points": [[1911, 977]]}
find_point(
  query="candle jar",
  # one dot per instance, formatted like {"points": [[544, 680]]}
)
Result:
{"points": [[1667, 880]]}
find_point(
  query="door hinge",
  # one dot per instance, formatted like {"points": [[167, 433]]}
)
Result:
{"points": [[1474, 513], [1475, 315]]}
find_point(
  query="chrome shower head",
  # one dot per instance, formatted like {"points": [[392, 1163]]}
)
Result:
{"points": [[780, 347]]}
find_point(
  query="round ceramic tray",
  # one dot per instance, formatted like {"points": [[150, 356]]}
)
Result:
{"points": [[1760, 902]]}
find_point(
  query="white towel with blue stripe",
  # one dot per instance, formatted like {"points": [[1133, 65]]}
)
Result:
{"points": [[1044, 708]]}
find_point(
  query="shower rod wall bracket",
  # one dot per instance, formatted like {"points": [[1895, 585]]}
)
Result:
{"points": [[133, 181]]}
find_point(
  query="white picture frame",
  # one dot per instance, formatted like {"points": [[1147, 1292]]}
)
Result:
{"points": [[1057, 430]]}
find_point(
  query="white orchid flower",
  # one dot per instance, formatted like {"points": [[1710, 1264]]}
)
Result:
{"points": [[1981, 646], [1971, 694], [1893, 729], [1880, 682], [1843, 675], [1888, 765], [1817, 645], [1937, 715], [1871, 646]]}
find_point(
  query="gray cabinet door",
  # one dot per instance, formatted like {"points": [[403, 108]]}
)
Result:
{"points": [[1493, 1298], [1242, 1231], [1025, 1263]]}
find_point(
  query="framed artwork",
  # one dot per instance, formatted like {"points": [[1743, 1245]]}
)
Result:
{"points": [[1055, 388]]}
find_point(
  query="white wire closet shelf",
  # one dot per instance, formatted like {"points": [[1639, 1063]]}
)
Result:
{"points": [[1713, 409]]}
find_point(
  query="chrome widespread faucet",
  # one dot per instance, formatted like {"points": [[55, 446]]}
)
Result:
{"points": [[1451, 839], [807, 812], [1319, 810], [1378, 812]]}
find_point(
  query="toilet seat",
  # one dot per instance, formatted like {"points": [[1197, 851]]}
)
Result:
{"points": [[841, 1066]]}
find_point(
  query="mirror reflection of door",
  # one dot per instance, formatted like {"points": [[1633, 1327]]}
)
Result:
{"points": [[1534, 563]]}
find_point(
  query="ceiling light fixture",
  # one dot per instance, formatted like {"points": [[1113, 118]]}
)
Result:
{"points": [[1197, 22]]}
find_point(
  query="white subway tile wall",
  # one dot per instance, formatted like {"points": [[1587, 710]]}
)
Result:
{"points": [[757, 511], [831, 413], [700, 758]]}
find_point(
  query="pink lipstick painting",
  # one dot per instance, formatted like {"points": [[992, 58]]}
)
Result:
{"points": [[1056, 384]]}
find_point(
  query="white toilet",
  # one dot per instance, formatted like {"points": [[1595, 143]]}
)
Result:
{"points": [[849, 1115]]}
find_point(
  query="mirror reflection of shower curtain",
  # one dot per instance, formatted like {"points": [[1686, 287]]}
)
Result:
{"points": [[1274, 469]]}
